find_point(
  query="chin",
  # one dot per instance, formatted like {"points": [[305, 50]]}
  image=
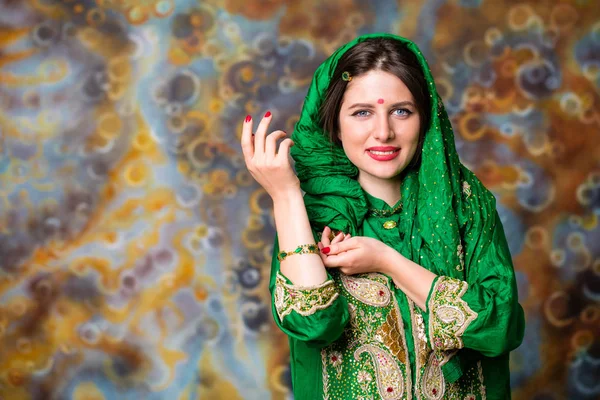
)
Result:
{"points": [[386, 175]]}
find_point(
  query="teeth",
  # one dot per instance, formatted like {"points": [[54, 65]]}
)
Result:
{"points": [[381, 153]]}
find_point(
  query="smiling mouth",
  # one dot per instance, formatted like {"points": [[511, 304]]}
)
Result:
{"points": [[386, 155]]}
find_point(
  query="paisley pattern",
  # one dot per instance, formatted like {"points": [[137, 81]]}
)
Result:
{"points": [[367, 290], [433, 383], [388, 376], [304, 300], [372, 351], [134, 245], [449, 314]]}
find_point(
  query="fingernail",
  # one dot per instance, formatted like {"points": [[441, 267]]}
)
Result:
{"points": [[325, 250], [248, 118], [268, 114]]}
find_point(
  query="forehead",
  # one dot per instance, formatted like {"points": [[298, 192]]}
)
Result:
{"points": [[375, 85]]}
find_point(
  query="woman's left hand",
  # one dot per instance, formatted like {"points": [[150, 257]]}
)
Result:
{"points": [[356, 255]]}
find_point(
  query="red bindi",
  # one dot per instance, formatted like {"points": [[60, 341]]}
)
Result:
{"points": [[380, 101]]}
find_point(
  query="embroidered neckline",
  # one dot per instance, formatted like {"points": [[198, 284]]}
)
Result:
{"points": [[385, 213]]}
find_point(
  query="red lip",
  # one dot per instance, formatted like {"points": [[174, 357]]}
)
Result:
{"points": [[384, 157], [383, 148]]}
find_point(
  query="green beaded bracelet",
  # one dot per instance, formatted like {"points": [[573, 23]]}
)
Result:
{"points": [[302, 249]]}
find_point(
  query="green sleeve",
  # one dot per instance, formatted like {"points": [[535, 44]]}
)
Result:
{"points": [[482, 312], [316, 315]]}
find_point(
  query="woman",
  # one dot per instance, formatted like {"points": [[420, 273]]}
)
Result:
{"points": [[415, 296]]}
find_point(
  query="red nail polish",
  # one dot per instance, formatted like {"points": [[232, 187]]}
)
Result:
{"points": [[248, 118], [325, 250], [268, 114]]}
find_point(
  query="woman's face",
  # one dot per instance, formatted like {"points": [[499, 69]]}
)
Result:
{"points": [[379, 125]]}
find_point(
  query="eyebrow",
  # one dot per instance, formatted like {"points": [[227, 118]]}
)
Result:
{"points": [[369, 105]]}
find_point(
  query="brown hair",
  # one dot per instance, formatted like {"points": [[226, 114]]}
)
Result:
{"points": [[382, 54]]}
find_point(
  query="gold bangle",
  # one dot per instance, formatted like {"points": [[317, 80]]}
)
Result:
{"points": [[302, 249]]}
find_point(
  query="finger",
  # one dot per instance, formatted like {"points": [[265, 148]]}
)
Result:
{"points": [[336, 261], [323, 256], [284, 148], [271, 144], [247, 139], [338, 238], [346, 245], [260, 135], [325, 236]]}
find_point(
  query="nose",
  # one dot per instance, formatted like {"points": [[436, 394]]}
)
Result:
{"points": [[383, 130]]}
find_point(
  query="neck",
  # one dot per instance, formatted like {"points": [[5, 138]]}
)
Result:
{"points": [[387, 190]]}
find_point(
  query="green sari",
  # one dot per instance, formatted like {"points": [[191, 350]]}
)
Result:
{"points": [[359, 336]]}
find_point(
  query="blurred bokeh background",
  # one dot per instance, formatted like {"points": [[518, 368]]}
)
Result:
{"points": [[134, 245]]}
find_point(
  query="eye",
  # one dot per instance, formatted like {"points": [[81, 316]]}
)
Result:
{"points": [[401, 112], [362, 113]]}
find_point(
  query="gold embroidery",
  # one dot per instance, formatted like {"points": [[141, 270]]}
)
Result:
{"points": [[444, 356], [305, 300], [367, 290], [336, 360], [420, 342], [461, 258], [364, 380], [480, 376], [434, 385], [325, 375], [449, 315], [374, 329], [389, 377], [466, 188], [389, 334]]}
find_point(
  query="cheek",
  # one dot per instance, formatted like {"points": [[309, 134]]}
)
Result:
{"points": [[350, 134]]}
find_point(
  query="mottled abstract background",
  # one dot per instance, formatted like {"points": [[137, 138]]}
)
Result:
{"points": [[134, 246]]}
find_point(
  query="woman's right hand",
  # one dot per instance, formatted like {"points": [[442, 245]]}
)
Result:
{"points": [[269, 167]]}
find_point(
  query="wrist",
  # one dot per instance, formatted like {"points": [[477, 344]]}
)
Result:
{"points": [[287, 196], [390, 263]]}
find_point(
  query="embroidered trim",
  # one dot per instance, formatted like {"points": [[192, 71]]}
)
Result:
{"points": [[480, 376], [390, 382], [444, 356], [449, 314], [433, 385], [461, 257], [385, 213], [325, 375], [336, 360], [367, 290], [466, 188], [420, 343], [305, 300], [389, 333]]}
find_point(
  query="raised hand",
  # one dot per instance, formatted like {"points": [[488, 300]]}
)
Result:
{"points": [[354, 255], [269, 166]]}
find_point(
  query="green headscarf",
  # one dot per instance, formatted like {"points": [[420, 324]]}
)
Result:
{"points": [[442, 197]]}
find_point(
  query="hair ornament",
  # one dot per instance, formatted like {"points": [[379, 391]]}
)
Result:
{"points": [[346, 76]]}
